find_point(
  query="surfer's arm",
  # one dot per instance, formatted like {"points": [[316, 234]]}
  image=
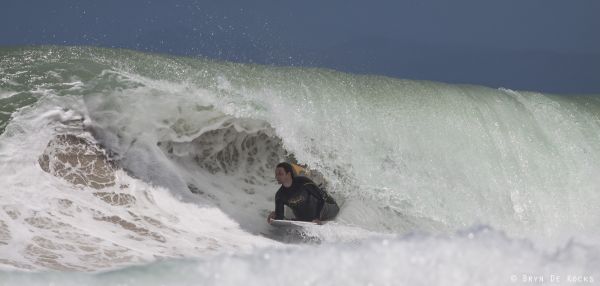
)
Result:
{"points": [[320, 204], [317, 193], [278, 207]]}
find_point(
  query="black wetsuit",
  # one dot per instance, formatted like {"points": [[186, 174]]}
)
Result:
{"points": [[307, 201]]}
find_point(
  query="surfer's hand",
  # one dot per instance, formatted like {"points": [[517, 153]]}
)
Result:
{"points": [[271, 217], [317, 221]]}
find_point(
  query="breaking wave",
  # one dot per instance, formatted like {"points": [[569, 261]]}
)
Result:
{"points": [[114, 157]]}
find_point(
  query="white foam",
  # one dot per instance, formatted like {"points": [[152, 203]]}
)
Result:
{"points": [[45, 216], [483, 257]]}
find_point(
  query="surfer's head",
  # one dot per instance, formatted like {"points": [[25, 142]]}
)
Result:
{"points": [[284, 173]]}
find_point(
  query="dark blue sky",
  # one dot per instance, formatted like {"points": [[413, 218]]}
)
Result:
{"points": [[541, 45]]}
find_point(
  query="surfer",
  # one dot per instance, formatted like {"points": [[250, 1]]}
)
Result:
{"points": [[303, 196]]}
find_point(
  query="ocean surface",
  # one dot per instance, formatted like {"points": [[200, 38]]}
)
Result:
{"points": [[125, 168]]}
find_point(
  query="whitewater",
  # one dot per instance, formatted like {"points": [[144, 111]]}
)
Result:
{"points": [[125, 168]]}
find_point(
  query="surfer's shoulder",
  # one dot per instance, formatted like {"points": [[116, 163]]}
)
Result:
{"points": [[302, 180]]}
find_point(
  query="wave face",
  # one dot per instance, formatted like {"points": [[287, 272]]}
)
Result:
{"points": [[114, 157]]}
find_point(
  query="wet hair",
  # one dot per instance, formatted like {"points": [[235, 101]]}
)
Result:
{"points": [[287, 167]]}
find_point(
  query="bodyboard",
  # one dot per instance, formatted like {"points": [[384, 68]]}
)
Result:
{"points": [[284, 223]]}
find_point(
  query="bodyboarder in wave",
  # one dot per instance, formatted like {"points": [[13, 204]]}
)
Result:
{"points": [[303, 196]]}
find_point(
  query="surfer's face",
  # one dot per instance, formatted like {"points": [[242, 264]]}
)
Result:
{"points": [[281, 175]]}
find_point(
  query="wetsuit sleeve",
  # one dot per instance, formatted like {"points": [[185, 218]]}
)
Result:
{"points": [[278, 206], [314, 191]]}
